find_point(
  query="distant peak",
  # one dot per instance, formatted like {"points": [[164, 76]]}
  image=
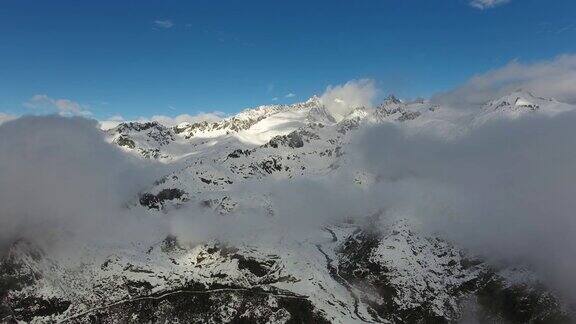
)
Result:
{"points": [[314, 99], [523, 94], [519, 98], [392, 99], [510, 97]]}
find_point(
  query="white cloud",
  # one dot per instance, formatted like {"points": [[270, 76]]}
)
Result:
{"points": [[290, 95], [165, 24], [111, 122], [64, 107], [6, 117], [275, 99], [555, 78], [340, 100], [487, 4]]}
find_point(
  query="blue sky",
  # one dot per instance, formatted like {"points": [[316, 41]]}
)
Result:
{"points": [[143, 58]]}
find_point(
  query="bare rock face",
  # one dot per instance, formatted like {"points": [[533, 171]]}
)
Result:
{"points": [[295, 139], [157, 201]]}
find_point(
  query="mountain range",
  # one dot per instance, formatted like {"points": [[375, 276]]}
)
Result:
{"points": [[333, 270]]}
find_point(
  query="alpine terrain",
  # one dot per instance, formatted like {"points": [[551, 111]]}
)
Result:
{"points": [[355, 269]]}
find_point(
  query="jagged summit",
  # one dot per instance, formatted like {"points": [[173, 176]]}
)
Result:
{"points": [[391, 100], [314, 100]]}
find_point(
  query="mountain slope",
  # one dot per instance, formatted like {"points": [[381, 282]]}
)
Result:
{"points": [[338, 271]]}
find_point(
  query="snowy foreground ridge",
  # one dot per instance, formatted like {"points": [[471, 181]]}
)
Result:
{"points": [[361, 270]]}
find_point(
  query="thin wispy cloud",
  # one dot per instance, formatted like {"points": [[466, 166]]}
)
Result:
{"points": [[290, 95], [64, 107], [165, 24], [340, 100], [556, 28], [487, 4]]}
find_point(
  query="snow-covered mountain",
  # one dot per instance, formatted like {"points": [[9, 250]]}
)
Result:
{"points": [[518, 103], [340, 272]]}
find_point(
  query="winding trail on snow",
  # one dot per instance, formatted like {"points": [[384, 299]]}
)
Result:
{"points": [[334, 273], [181, 291]]}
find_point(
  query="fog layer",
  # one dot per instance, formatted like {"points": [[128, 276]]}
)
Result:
{"points": [[505, 190], [59, 177]]}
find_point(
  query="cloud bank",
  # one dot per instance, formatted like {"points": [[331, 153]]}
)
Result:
{"points": [[269, 210], [503, 191], [554, 78], [58, 175]]}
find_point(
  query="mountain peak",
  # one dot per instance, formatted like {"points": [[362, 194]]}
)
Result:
{"points": [[392, 99], [516, 99], [314, 99]]}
